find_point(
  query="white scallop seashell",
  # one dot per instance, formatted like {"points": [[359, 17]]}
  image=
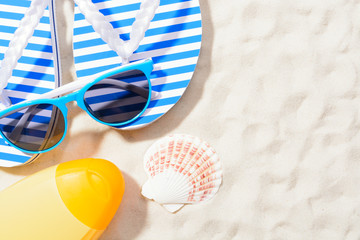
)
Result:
{"points": [[181, 169]]}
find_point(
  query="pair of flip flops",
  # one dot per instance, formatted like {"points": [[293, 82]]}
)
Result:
{"points": [[173, 42]]}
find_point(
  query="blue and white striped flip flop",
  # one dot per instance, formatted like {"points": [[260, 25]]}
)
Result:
{"points": [[28, 67], [172, 40]]}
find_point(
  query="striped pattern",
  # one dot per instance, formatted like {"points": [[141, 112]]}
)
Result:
{"points": [[34, 73], [173, 42], [29, 127], [102, 99]]}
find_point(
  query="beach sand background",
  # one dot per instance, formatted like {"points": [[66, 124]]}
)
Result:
{"points": [[276, 93]]}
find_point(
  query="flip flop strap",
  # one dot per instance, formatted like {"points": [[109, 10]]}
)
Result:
{"points": [[107, 33], [18, 43], [36, 10]]}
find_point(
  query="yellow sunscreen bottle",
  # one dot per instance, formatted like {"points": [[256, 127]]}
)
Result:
{"points": [[71, 201]]}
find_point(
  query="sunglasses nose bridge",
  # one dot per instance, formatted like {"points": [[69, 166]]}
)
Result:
{"points": [[69, 98], [62, 101]]}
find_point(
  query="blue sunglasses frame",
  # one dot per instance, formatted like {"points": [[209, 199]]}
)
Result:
{"points": [[145, 66]]}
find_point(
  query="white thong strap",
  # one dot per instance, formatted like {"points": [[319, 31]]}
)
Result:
{"points": [[18, 43], [93, 16], [107, 33]]}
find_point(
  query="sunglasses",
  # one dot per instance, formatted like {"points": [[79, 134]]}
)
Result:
{"points": [[114, 99]]}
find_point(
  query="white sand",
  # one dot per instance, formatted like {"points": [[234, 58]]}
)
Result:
{"points": [[276, 92]]}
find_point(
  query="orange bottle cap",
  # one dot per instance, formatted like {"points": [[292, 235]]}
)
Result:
{"points": [[91, 189]]}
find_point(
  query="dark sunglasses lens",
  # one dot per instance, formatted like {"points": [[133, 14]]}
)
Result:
{"points": [[118, 98], [34, 128]]}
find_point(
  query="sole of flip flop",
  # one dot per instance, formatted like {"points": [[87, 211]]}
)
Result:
{"points": [[173, 41], [37, 72]]}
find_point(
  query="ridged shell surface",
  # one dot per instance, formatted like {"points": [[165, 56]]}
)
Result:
{"points": [[181, 169]]}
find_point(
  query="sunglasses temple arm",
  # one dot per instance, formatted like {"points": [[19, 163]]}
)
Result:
{"points": [[155, 95], [142, 91], [76, 85], [21, 124], [65, 89]]}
